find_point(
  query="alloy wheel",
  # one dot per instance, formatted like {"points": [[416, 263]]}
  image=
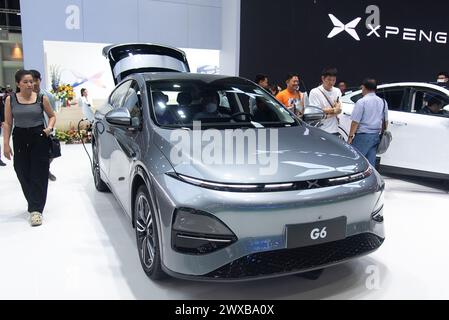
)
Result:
{"points": [[145, 231]]}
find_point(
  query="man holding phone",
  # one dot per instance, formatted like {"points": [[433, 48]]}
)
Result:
{"points": [[327, 97]]}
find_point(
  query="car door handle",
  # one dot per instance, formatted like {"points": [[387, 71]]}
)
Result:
{"points": [[398, 123]]}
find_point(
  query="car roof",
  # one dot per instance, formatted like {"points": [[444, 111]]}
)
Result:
{"points": [[176, 76], [406, 84], [415, 84]]}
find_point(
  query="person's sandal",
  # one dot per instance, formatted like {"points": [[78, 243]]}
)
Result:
{"points": [[36, 219]]}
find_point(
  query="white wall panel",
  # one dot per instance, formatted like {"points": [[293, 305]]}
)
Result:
{"points": [[110, 21], [230, 31], [200, 18], [207, 3], [179, 23], [46, 21], [163, 22]]}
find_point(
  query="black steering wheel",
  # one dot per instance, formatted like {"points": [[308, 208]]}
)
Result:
{"points": [[238, 114]]}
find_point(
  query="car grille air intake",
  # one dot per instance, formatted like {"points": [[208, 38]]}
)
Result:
{"points": [[297, 260]]}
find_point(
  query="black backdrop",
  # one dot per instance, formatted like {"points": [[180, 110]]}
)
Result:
{"points": [[280, 36]]}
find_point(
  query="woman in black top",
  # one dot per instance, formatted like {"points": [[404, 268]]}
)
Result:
{"points": [[30, 139]]}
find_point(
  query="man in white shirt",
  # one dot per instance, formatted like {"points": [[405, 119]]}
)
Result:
{"points": [[327, 97]]}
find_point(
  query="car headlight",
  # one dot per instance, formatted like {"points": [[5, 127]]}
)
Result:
{"points": [[378, 213], [352, 178], [189, 220], [216, 186], [197, 232]]}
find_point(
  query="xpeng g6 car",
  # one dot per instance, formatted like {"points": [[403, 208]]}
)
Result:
{"points": [[221, 182]]}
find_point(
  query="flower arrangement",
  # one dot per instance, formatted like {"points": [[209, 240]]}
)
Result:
{"points": [[55, 76], [64, 92], [72, 136]]}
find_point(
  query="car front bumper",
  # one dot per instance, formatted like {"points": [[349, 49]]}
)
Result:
{"points": [[271, 264], [259, 222]]}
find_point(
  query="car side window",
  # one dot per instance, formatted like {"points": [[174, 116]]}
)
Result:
{"points": [[133, 101], [429, 102], [116, 98], [396, 99], [356, 98]]}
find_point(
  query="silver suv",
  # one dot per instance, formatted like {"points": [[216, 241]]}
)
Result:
{"points": [[221, 181]]}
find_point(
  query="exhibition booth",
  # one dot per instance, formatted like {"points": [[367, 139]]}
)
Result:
{"points": [[189, 181]]}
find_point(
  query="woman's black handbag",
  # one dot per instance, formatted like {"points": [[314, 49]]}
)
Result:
{"points": [[55, 147], [53, 142]]}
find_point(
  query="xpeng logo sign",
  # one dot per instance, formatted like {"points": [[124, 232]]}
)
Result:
{"points": [[339, 27], [376, 30]]}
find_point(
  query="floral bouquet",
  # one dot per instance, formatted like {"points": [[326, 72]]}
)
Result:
{"points": [[55, 75], [64, 93]]}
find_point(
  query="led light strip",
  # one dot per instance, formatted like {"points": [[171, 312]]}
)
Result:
{"points": [[204, 239], [323, 183], [218, 185]]}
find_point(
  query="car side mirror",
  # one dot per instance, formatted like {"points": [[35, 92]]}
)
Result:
{"points": [[313, 114], [121, 117]]}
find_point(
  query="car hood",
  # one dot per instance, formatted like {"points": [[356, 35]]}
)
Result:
{"points": [[302, 153]]}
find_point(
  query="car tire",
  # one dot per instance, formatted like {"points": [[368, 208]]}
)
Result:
{"points": [[446, 185], [100, 185], [147, 235]]}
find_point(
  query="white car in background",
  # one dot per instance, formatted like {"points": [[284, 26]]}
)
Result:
{"points": [[420, 145]]}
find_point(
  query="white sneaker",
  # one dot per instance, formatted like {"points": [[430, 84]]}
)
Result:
{"points": [[36, 219]]}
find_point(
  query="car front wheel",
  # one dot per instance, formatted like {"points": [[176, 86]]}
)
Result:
{"points": [[100, 185], [147, 236]]}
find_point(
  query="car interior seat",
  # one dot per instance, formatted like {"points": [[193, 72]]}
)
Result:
{"points": [[159, 97], [185, 106], [163, 111], [184, 99]]}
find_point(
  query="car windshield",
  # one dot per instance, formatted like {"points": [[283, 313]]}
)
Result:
{"points": [[224, 103]]}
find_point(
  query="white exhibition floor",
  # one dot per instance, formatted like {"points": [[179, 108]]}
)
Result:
{"points": [[86, 249]]}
